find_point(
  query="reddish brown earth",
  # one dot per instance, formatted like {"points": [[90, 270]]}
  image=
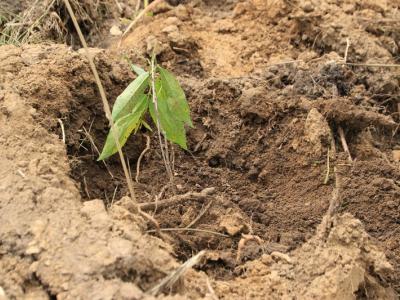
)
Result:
{"points": [[268, 92]]}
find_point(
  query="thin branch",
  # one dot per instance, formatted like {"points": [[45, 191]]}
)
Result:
{"points": [[106, 106], [371, 65], [139, 16], [178, 199], [141, 156], [191, 229]]}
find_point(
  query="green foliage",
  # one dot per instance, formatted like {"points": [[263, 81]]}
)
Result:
{"points": [[130, 108]]}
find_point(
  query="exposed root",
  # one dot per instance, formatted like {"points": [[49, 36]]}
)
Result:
{"points": [[141, 157], [178, 199], [243, 241]]}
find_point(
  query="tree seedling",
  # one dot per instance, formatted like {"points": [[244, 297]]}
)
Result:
{"points": [[158, 93]]}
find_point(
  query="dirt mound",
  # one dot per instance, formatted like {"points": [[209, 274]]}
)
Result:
{"points": [[335, 268], [270, 95]]}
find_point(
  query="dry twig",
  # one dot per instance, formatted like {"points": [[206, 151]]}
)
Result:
{"points": [[178, 199]]}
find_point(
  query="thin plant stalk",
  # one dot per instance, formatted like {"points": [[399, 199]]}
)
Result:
{"points": [[106, 106], [164, 149]]}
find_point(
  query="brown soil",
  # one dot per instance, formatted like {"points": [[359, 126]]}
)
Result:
{"points": [[268, 92]]}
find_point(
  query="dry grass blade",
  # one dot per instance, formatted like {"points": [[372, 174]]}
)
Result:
{"points": [[62, 129], [172, 278]]}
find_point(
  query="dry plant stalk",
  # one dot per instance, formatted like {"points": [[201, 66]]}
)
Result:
{"points": [[163, 147], [106, 106], [178, 199]]}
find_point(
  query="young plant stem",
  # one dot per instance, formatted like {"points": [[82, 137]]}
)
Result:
{"points": [[164, 149]]}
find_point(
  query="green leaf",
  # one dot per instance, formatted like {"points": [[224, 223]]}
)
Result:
{"points": [[126, 102], [125, 126], [173, 128], [138, 70], [175, 96]]}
